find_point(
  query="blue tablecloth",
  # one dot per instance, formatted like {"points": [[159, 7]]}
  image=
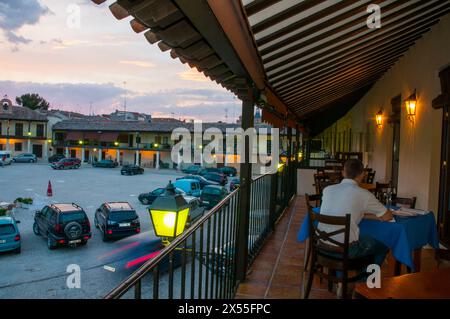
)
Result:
{"points": [[402, 237]]}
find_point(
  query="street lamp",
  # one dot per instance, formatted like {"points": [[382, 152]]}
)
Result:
{"points": [[169, 213], [116, 143]]}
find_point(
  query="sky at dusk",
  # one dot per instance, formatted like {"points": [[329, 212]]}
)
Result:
{"points": [[43, 51]]}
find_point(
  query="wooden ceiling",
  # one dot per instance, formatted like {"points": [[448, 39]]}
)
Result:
{"points": [[316, 56], [320, 54]]}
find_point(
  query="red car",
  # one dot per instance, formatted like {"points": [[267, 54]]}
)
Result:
{"points": [[64, 163]]}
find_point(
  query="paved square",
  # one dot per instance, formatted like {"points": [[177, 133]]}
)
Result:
{"points": [[40, 273]]}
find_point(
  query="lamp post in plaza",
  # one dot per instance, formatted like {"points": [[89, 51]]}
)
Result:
{"points": [[169, 213]]}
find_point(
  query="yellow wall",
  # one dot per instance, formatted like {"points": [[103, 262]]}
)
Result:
{"points": [[421, 140]]}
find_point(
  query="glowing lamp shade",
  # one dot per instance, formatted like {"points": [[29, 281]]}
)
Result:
{"points": [[80, 142], [167, 223], [116, 143], [411, 103], [169, 213], [280, 167], [379, 118], [29, 133]]}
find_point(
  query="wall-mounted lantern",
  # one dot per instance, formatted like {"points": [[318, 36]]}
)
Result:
{"points": [[411, 103], [116, 143], [379, 118], [80, 142]]}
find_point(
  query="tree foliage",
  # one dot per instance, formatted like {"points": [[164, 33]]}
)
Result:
{"points": [[32, 101]]}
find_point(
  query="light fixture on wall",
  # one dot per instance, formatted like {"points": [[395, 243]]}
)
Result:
{"points": [[411, 103], [379, 118]]}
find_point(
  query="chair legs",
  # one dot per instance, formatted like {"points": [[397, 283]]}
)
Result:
{"points": [[310, 277]]}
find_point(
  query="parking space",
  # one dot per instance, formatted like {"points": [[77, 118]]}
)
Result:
{"points": [[40, 273]]}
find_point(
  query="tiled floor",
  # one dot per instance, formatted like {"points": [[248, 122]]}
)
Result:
{"points": [[277, 271]]}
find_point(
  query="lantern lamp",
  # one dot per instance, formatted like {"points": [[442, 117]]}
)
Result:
{"points": [[80, 142], [411, 103], [29, 133], [116, 143], [379, 118], [169, 213], [156, 145]]}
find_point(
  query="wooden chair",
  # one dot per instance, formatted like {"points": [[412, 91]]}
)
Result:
{"points": [[442, 256], [323, 180], [370, 177], [327, 253], [380, 188], [405, 202]]}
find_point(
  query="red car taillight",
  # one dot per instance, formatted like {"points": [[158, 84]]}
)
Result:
{"points": [[138, 230], [17, 238], [109, 232]]}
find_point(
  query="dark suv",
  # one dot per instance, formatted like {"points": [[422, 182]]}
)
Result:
{"points": [[117, 219], [62, 224], [64, 163]]}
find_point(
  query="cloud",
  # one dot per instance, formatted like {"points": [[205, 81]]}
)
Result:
{"points": [[203, 104], [142, 64], [192, 75], [15, 14]]}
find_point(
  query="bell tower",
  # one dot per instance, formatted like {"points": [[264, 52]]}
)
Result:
{"points": [[5, 106]]}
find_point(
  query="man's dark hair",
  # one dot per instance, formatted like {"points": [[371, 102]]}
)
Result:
{"points": [[353, 168]]}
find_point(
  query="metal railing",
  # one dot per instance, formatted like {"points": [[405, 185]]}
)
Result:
{"points": [[201, 262]]}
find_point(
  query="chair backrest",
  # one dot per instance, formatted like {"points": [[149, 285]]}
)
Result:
{"points": [[323, 180], [370, 177], [380, 189], [322, 241], [404, 201], [313, 201]]}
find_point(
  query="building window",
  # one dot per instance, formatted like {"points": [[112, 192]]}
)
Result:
{"points": [[158, 139], [40, 130], [19, 129], [18, 147], [166, 140]]}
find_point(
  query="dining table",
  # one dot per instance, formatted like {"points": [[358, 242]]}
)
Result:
{"points": [[403, 237], [424, 285]]}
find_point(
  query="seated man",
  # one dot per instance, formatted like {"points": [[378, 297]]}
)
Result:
{"points": [[348, 198]]}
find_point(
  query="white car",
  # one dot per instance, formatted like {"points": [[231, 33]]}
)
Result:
{"points": [[5, 158]]}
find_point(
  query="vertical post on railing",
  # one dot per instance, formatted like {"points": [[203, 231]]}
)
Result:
{"points": [[273, 200], [288, 168], [297, 151], [244, 189]]}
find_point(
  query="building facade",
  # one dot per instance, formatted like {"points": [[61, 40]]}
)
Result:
{"points": [[23, 130]]}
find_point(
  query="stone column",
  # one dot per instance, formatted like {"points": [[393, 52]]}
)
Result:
{"points": [[118, 156], [178, 161], [100, 154], [67, 152], [7, 144], [82, 155], [45, 152], [29, 146], [157, 160], [136, 162]]}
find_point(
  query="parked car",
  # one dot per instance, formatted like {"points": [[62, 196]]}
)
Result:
{"points": [[212, 195], [228, 170], [203, 181], [9, 235], [131, 170], [70, 162], [116, 220], [25, 158], [235, 182], [62, 225], [55, 158], [190, 186], [5, 158], [196, 209], [192, 169], [215, 177], [148, 198], [105, 163], [211, 170]]}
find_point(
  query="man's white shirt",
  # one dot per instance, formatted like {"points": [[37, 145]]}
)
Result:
{"points": [[348, 198]]}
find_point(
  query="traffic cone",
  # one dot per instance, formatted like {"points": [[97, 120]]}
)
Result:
{"points": [[49, 189]]}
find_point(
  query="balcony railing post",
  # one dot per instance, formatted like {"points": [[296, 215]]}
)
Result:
{"points": [[273, 200], [244, 189]]}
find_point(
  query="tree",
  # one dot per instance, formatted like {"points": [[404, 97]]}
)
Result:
{"points": [[32, 101]]}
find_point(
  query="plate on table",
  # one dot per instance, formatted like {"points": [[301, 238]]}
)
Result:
{"points": [[409, 212]]}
